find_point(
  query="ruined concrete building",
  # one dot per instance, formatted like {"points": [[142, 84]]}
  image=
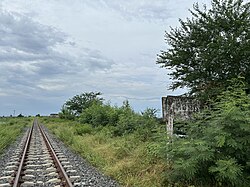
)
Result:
{"points": [[178, 106]]}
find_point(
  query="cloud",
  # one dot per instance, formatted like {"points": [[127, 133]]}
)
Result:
{"points": [[95, 60], [32, 53], [148, 10], [21, 33], [143, 9], [52, 85], [50, 51]]}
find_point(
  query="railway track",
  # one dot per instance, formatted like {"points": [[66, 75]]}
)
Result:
{"points": [[37, 162]]}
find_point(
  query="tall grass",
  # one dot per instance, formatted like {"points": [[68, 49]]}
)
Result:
{"points": [[10, 129], [128, 159]]}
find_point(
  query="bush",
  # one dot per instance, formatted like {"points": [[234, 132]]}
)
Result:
{"points": [[100, 115], [120, 121], [82, 129], [66, 114], [217, 147], [66, 135], [125, 158]]}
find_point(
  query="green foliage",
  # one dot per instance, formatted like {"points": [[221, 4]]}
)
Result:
{"points": [[100, 115], [81, 129], [10, 128], [127, 123], [143, 126], [66, 113], [155, 151], [180, 126], [210, 48], [150, 113], [126, 158], [227, 170], [217, 147], [20, 116], [121, 120], [77, 104], [66, 135]]}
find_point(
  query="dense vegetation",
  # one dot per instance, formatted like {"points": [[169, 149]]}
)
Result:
{"points": [[10, 128], [133, 147], [74, 106], [122, 143], [216, 150], [208, 54], [210, 48]]}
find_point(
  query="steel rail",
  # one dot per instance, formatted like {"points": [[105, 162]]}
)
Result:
{"points": [[18, 174], [64, 177]]}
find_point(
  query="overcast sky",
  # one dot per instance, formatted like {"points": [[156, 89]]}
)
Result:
{"points": [[51, 50]]}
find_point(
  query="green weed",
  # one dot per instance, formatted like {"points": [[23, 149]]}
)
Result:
{"points": [[10, 129], [128, 159]]}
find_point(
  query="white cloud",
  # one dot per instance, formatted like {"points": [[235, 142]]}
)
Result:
{"points": [[29, 52], [51, 50], [52, 85]]}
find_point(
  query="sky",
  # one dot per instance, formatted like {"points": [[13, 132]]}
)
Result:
{"points": [[51, 50]]}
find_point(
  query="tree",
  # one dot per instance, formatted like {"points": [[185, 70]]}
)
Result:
{"points": [[210, 48], [100, 115], [216, 150], [66, 113], [78, 103], [20, 116], [150, 113]]}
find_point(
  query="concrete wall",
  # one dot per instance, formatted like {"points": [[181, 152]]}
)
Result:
{"points": [[178, 106]]}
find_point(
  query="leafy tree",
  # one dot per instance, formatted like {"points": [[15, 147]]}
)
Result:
{"points": [[66, 113], [210, 48], [150, 113], [100, 115], [216, 149], [121, 120], [78, 103], [20, 116]]}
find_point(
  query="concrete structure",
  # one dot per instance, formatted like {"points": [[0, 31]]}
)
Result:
{"points": [[54, 115], [178, 106]]}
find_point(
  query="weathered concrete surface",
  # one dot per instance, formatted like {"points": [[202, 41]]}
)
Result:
{"points": [[178, 106]]}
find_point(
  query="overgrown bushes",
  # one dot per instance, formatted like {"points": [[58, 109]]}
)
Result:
{"points": [[127, 158], [81, 129], [121, 120], [216, 149], [100, 115]]}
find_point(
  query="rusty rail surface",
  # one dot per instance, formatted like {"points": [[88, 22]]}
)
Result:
{"points": [[63, 176]]}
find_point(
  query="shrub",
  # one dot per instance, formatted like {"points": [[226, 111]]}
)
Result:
{"points": [[81, 129], [66, 114], [217, 147], [120, 120], [66, 135], [99, 115]]}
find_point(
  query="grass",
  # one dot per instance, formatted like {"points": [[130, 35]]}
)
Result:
{"points": [[10, 129], [127, 159]]}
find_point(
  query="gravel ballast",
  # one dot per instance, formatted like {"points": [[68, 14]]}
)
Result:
{"points": [[89, 175]]}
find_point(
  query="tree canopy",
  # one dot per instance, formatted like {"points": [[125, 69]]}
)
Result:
{"points": [[210, 48], [78, 103]]}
